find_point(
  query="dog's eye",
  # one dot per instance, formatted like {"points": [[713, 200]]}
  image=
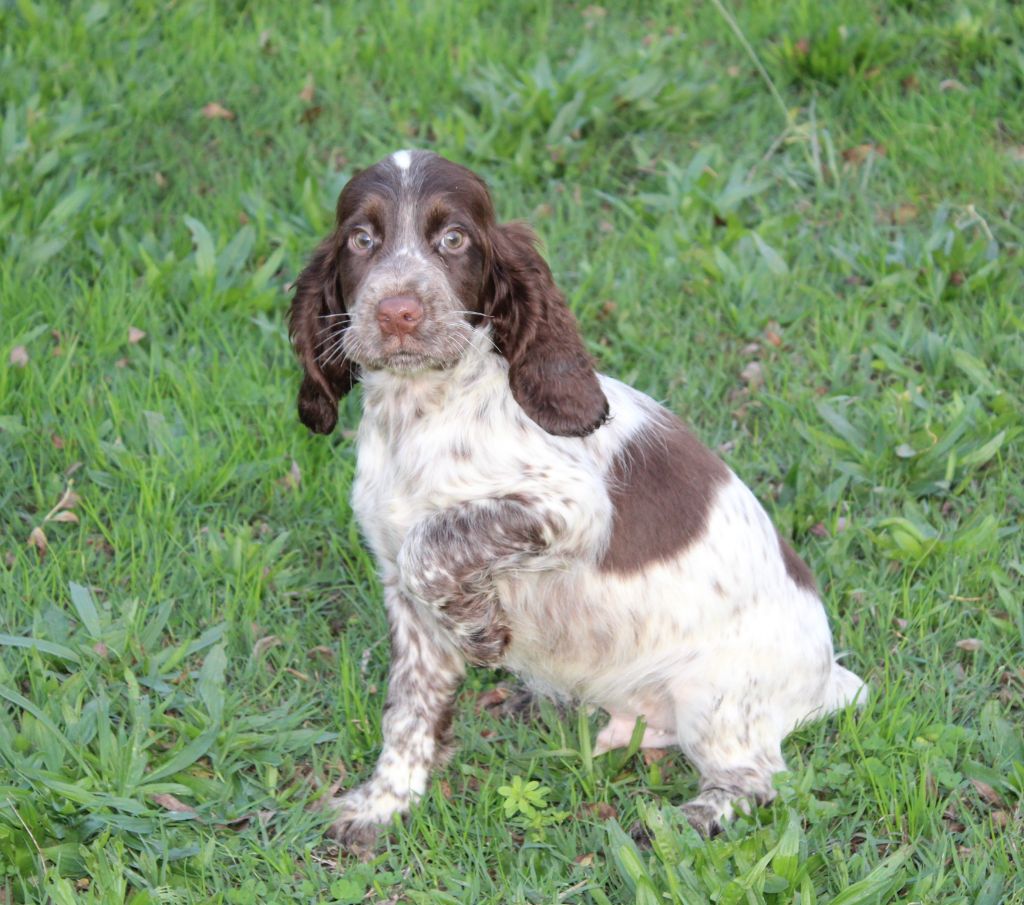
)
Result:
{"points": [[360, 241], [453, 238]]}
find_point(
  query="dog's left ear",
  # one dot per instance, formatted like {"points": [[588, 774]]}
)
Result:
{"points": [[550, 373]]}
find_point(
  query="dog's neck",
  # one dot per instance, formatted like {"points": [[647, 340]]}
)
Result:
{"points": [[398, 397]]}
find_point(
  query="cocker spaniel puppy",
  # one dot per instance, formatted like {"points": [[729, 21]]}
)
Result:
{"points": [[528, 513]]}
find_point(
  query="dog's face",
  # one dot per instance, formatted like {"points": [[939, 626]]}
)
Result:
{"points": [[413, 232], [415, 264]]}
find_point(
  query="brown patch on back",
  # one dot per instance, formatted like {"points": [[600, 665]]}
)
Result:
{"points": [[662, 485], [796, 568]]}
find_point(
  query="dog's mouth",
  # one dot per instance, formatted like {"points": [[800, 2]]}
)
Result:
{"points": [[429, 348], [409, 360], [409, 356]]}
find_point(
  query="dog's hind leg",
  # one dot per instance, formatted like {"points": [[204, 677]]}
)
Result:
{"points": [[735, 741]]}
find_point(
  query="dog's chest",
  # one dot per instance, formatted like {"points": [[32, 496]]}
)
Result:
{"points": [[422, 462]]}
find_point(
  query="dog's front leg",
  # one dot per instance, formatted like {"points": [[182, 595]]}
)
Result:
{"points": [[424, 676], [448, 562]]}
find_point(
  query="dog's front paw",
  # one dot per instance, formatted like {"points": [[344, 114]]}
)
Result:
{"points": [[359, 816], [353, 833]]}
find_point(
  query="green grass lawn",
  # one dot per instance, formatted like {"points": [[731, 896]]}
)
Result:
{"points": [[801, 228]]}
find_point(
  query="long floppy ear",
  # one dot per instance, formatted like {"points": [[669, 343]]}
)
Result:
{"points": [[329, 375], [550, 373]]}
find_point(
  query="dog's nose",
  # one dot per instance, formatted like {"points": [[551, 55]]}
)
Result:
{"points": [[399, 315]]}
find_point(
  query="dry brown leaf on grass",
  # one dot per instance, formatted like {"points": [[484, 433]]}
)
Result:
{"points": [[952, 819], [19, 357], [599, 809], [135, 335], [170, 803], [65, 516], [37, 539], [59, 513], [321, 652], [987, 794], [900, 215], [213, 110], [859, 154], [308, 91], [69, 500], [243, 821], [264, 644], [969, 644]]}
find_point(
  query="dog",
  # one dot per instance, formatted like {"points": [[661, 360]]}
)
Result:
{"points": [[527, 513]]}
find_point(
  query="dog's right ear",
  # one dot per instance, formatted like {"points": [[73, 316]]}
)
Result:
{"points": [[316, 324]]}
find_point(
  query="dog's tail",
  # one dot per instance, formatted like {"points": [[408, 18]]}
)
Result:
{"points": [[844, 688]]}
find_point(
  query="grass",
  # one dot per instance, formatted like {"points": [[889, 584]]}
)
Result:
{"points": [[191, 637]]}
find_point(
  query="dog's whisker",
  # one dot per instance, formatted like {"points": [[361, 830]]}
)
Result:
{"points": [[325, 356], [330, 339], [336, 354]]}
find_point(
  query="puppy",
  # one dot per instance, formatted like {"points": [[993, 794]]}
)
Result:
{"points": [[528, 513]]}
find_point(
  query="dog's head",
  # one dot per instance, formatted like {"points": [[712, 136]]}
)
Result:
{"points": [[415, 264]]}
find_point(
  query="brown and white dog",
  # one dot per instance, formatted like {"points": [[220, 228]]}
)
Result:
{"points": [[528, 513]]}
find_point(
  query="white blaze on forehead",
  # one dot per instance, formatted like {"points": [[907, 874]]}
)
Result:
{"points": [[402, 159]]}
